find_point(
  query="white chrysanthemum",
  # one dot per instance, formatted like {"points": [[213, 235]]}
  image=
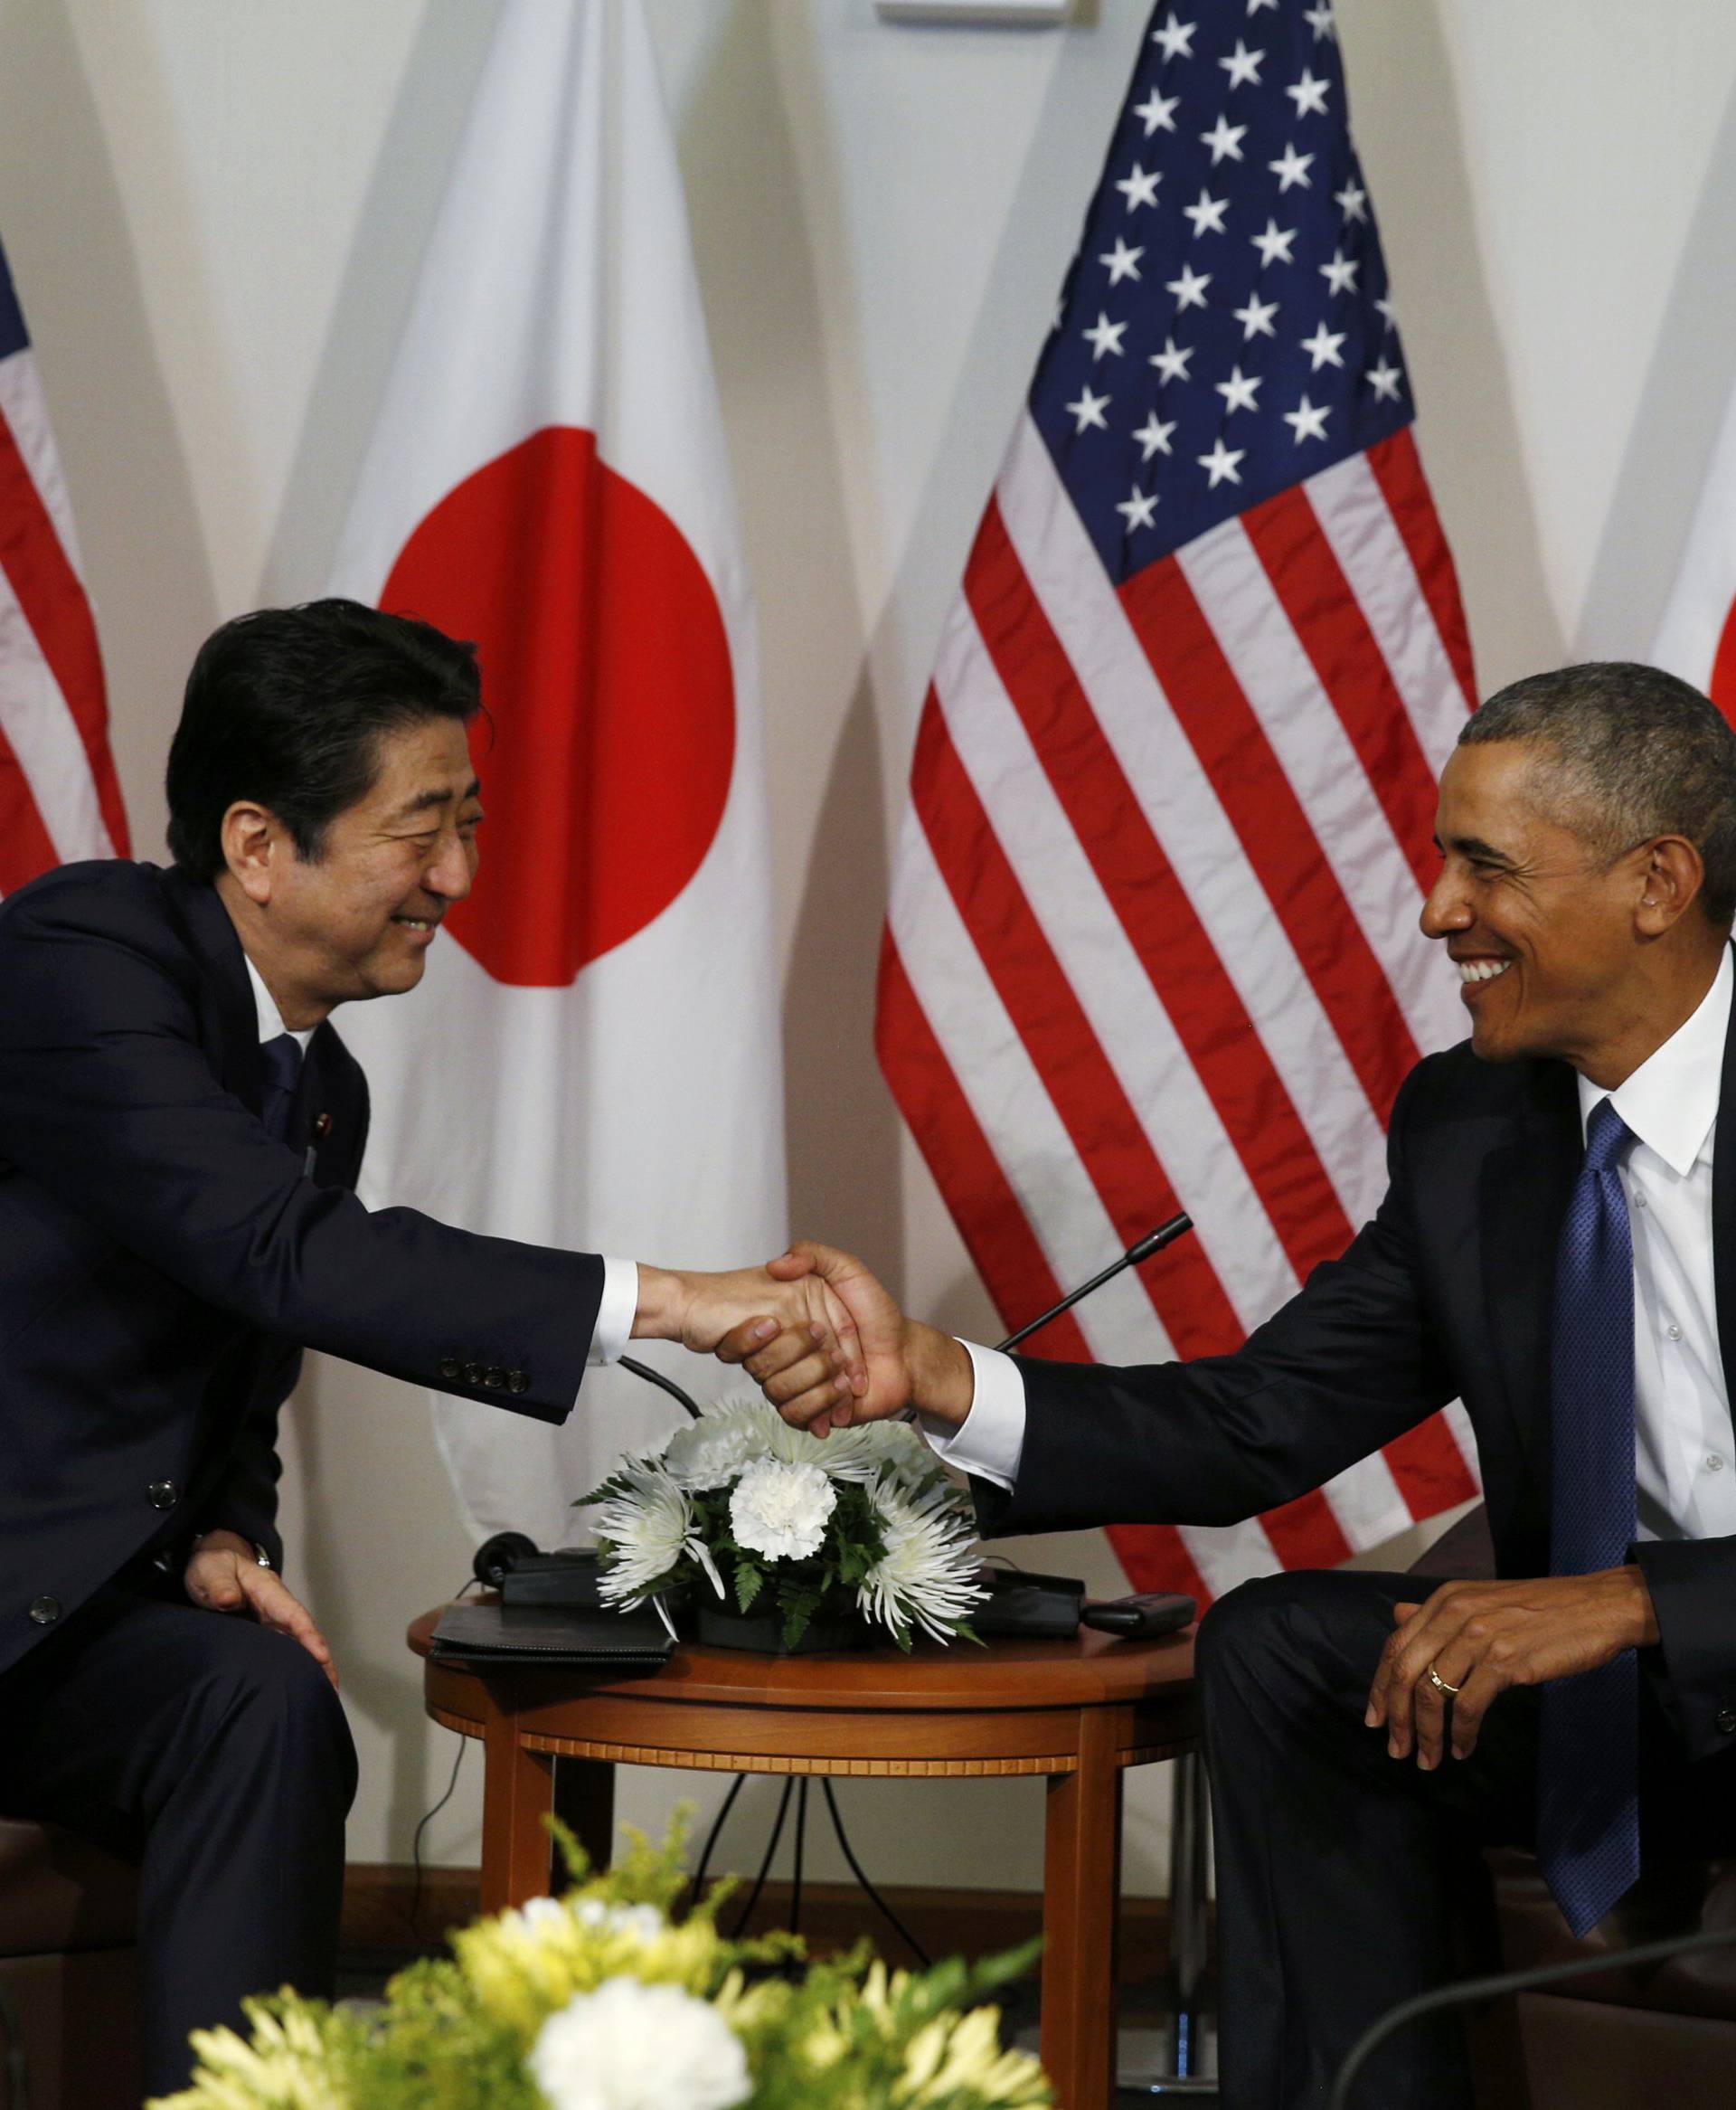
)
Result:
{"points": [[928, 1573], [709, 1452], [634, 2047], [781, 1510], [644, 1923], [648, 1523]]}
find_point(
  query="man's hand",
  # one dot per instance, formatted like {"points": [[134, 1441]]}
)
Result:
{"points": [[905, 1363], [1484, 1637], [795, 1313], [224, 1575]]}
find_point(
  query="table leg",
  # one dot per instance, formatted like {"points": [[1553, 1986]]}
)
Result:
{"points": [[517, 1794], [584, 1801], [1082, 1919]]}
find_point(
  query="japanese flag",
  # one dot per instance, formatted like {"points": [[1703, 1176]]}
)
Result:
{"points": [[592, 1058]]}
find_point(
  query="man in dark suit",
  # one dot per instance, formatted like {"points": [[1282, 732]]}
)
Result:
{"points": [[1557, 1247], [180, 1133]]}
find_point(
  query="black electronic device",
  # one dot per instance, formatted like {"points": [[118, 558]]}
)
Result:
{"points": [[516, 1567], [1023, 1607], [1143, 1617]]}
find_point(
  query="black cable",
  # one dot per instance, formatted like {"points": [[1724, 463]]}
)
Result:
{"points": [[662, 1383], [711, 1836], [795, 1881], [1471, 1990], [765, 1866], [429, 1815], [921, 1954], [17, 2079]]}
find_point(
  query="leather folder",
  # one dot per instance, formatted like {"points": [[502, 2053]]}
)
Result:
{"points": [[550, 1633]]}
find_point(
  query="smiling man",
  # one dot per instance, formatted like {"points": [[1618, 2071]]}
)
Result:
{"points": [[180, 1133], [1557, 1247]]}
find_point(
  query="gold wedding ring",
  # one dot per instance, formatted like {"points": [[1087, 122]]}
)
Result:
{"points": [[1441, 1684]]}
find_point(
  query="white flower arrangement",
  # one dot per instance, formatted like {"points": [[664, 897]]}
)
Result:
{"points": [[862, 1522]]}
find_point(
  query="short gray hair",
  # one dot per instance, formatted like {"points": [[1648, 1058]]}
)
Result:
{"points": [[1633, 753]]}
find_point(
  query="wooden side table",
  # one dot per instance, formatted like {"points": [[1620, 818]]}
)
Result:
{"points": [[1078, 1712]]}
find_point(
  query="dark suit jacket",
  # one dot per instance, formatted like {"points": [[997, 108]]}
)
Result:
{"points": [[1447, 1293], [164, 1262]]}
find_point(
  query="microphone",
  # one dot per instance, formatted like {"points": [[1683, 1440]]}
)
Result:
{"points": [[1142, 1249]]}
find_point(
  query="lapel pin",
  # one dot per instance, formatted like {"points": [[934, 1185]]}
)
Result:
{"points": [[322, 1128]]}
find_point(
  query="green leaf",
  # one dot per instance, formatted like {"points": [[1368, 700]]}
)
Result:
{"points": [[750, 1581]]}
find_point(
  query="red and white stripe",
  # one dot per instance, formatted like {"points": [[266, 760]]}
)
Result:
{"points": [[1153, 941], [59, 796]]}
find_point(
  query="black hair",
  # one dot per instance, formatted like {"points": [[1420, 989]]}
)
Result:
{"points": [[1632, 752], [289, 707]]}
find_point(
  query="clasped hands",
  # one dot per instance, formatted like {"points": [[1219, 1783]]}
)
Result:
{"points": [[1482, 1637]]}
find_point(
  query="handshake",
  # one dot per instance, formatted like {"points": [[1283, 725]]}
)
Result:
{"points": [[819, 1335]]}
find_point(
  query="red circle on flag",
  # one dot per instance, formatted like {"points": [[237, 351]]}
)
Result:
{"points": [[605, 669]]}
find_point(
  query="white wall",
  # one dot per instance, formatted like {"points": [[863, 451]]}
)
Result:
{"points": [[212, 212]]}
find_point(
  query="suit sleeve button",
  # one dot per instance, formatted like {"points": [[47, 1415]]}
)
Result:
{"points": [[473, 1373], [1726, 1721], [45, 1610], [450, 1367], [516, 1381], [496, 1380], [164, 1494]]}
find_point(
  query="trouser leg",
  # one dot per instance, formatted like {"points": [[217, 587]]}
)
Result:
{"points": [[1347, 1881], [217, 1753]]}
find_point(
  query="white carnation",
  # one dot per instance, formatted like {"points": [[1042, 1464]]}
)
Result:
{"points": [[709, 1452], [928, 1573], [781, 1510], [634, 2047]]}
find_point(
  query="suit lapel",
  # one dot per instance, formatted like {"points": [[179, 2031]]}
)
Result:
{"points": [[1525, 1184], [226, 995]]}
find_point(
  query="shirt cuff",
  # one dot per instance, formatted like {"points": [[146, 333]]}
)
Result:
{"points": [[615, 1311], [990, 1440]]}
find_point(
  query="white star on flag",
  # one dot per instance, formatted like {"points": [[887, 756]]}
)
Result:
{"points": [[1309, 421], [1170, 362], [1238, 392], [1105, 336], [1088, 410], [1322, 347], [1352, 201], [1308, 94], [1254, 7], [1207, 214], [1221, 463], [1319, 20], [1176, 38], [1224, 139], [1274, 245], [1243, 65], [1255, 318], [1292, 168], [1384, 379], [1139, 188], [1123, 261], [1154, 435], [1384, 309], [1189, 288], [1138, 508], [1340, 274], [1157, 112]]}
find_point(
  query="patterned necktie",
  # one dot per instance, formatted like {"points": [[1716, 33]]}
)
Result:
{"points": [[1588, 1799], [282, 1076]]}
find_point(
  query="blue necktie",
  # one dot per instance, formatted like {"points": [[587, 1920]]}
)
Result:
{"points": [[282, 1076], [1587, 1794]]}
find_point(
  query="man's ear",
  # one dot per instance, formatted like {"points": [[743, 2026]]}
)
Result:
{"points": [[1671, 880], [255, 844]]}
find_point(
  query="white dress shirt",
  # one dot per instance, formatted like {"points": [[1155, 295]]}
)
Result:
{"points": [[1685, 1459], [620, 1298]]}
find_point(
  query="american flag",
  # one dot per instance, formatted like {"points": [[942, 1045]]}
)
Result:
{"points": [[59, 796], [1152, 939]]}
